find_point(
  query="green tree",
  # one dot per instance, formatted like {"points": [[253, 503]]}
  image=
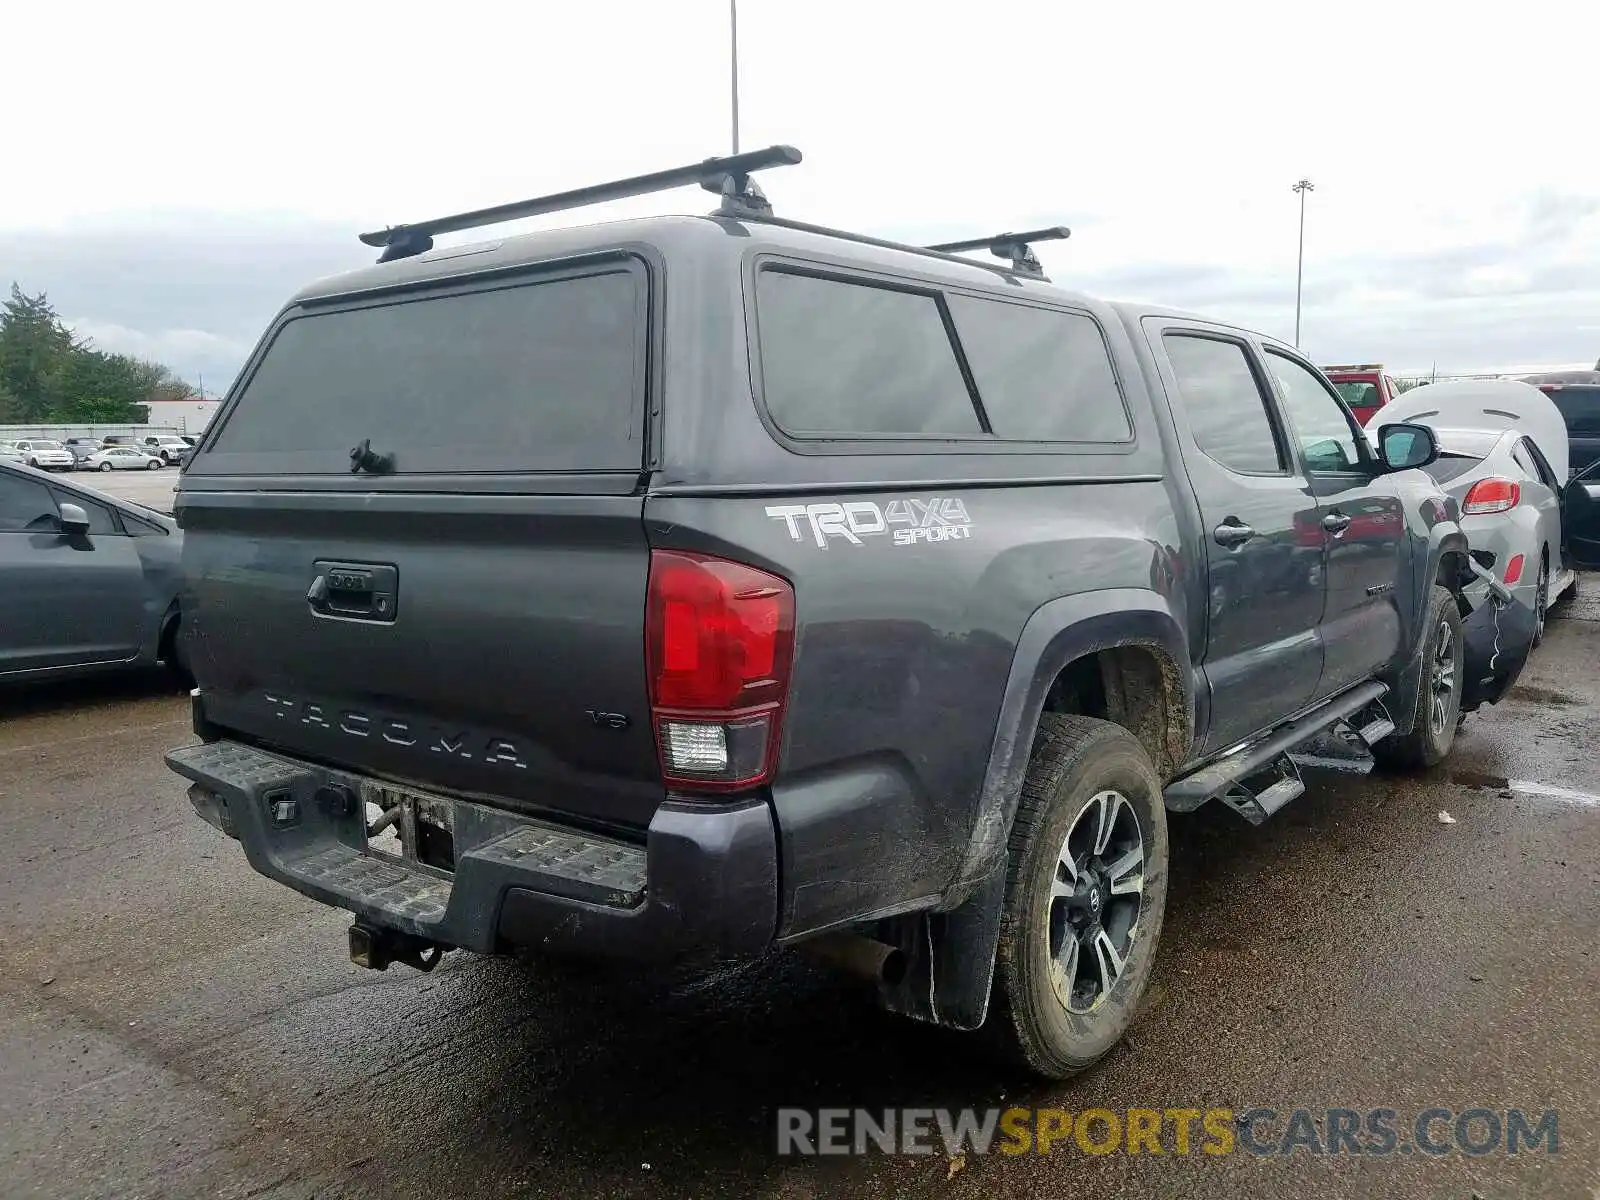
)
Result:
{"points": [[48, 375], [34, 347]]}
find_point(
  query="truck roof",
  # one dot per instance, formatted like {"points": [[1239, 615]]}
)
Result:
{"points": [[715, 234], [710, 234]]}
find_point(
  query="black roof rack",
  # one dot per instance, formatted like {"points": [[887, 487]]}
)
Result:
{"points": [[729, 177], [1013, 246]]}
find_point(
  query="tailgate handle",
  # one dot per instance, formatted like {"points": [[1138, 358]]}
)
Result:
{"points": [[354, 591]]}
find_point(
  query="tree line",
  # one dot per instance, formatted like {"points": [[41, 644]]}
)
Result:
{"points": [[49, 375]]}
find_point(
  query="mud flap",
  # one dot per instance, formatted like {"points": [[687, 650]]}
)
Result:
{"points": [[1498, 640], [949, 958]]}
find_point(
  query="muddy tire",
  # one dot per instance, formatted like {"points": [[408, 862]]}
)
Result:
{"points": [[1439, 701], [1086, 889]]}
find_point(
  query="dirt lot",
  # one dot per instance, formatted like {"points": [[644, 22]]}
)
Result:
{"points": [[173, 1025]]}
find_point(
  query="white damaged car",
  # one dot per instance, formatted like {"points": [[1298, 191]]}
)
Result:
{"points": [[1503, 458]]}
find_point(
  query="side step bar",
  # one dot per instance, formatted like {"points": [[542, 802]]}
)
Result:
{"points": [[1229, 778]]}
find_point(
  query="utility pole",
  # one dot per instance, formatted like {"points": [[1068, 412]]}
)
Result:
{"points": [[1304, 186], [733, 35]]}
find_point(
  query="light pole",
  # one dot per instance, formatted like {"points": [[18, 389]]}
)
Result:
{"points": [[1304, 186], [733, 36]]}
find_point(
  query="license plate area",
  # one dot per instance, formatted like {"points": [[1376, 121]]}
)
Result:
{"points": [[412, 826]]}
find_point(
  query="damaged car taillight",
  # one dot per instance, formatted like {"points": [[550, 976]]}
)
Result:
{"points": [[719, 640], [1492, 496]]}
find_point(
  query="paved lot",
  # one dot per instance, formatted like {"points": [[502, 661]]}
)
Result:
{"points": [[173, 1025], [152, 488]]}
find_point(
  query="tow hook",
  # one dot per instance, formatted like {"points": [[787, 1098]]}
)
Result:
{"points": [[376, 948]]}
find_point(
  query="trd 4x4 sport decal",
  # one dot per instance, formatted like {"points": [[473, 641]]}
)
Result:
{"points": [[938, 519]]}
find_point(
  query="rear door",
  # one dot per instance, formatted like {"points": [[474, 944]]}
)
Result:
{"points": [[1580, 515], [414, 546], [1263, 549]]}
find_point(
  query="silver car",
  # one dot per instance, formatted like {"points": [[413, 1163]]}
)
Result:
{"points": [[121, 458], [1510, 506]]}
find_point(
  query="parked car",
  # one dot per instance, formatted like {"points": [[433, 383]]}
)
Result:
{"points": [[45, 454], [864, 606], [122, 458], [9, 452], [171, 450], [1365, 387], [1576, 395], [1492, 461], [91, 583], [1510, 506], [82, 447]]}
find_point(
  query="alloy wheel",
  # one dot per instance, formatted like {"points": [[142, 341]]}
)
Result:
{"points": [[1541, 602], [1096, 900], [1443, 678]]}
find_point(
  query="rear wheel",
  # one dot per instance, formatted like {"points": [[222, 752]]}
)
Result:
{"points": [[1541, 599], [1439, 698], [1085, 893], [173, 657]]}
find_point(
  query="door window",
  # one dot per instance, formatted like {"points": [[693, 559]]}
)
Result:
{"points": [[100, 518], [26, 506], [1226, 408], [1533, 461], [1327, 439]]}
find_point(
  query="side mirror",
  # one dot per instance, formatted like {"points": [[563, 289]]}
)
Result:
{"points": [[74, 521], [1403, 446]]}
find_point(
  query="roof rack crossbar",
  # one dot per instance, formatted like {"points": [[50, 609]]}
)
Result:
{"points": [[1014, 246], [729, 177]]}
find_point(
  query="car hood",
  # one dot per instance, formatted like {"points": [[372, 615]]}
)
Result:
{"points": [[1491, 405]]}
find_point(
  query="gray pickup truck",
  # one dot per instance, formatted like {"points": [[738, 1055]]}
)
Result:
{"points": [[684, 587]]}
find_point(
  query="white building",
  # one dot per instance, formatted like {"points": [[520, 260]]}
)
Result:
{"points": [[185, 416]]}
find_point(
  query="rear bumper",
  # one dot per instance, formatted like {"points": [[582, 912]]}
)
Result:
{"points": [[704, 883]]}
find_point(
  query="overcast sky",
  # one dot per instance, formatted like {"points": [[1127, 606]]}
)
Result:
{"points": [[175, 170]]}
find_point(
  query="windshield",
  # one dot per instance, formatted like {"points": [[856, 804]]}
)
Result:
{"points": [[1579, 408], [1358, 393], [47, 444]]}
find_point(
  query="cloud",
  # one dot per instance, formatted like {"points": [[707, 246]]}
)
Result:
{"points": [[191, 291], [194, 291]]}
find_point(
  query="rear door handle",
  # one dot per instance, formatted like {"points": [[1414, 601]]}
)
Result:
{"points": [[1336, 523], [1232, 533]]}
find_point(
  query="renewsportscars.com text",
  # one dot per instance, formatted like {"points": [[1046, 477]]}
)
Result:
{"points": [[1374, 1132]]}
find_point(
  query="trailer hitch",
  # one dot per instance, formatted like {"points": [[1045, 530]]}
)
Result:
{"points": [[375, 948]]}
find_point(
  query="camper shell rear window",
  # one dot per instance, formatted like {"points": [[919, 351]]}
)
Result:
{"points": [[541, 373]]}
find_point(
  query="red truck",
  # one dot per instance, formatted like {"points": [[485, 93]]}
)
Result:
{"points": [[1366, 388]]}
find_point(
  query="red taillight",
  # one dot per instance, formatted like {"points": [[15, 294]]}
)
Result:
{"points": [[719, 640], [1514, 569], [1492, 496]]}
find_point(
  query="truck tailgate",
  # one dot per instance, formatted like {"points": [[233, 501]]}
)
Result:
{"points": [[508, 661]]}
